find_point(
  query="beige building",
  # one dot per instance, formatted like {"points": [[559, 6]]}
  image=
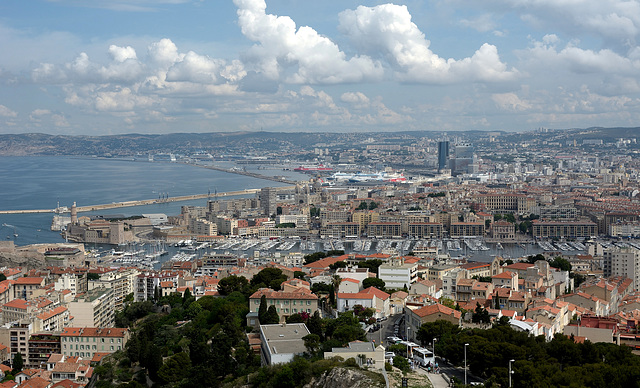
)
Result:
{"points": [[417, 317], [286, 303], [87, 341], [568, 229], [95, 308], [462, 229], [364, 218], [364, 353], [426, 230], [122, 281]]}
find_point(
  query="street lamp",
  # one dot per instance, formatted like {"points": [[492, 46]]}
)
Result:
{"points": [[434, 351], [465, 363], [510, 372], [408, 328]]}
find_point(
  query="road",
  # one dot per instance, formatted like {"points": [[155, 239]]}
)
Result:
{"points": [[385, 331], [457, 372]]}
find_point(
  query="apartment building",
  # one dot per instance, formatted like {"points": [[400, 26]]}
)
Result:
{"points": [[286, 303], [398, 274], [122, 281], [568, 229], [28, 287], [95, 308], [87, 341], [623, 262], [463, 229], [384, 229], [425, 230]]}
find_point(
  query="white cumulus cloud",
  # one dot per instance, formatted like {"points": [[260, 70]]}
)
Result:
{"points": [[387, 30], [298, 55]]}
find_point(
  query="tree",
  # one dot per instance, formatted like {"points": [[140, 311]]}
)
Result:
{"points": [[373, 205], [311, 342], [176, 368], [362, 206], [18, 364], [271, 317], [93, 276], [480, 315], [299, 275], [262, 310], [232, 283], [373, 282], [401, 363], [269, 277], [314, 324], [560, 263]]}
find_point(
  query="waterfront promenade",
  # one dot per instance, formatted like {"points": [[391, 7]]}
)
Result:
{"points": [[116, 205]]}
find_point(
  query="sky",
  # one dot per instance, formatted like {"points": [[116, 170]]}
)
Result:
{"points": [[102, 67]]}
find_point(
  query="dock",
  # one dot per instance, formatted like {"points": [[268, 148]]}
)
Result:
{"points": [[117, 205]]}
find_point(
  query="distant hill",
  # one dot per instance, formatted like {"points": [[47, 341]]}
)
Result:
{"points": [[39, 144]]}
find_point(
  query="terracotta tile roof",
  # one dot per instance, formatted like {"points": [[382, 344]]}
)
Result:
{"points": [[300, 293], [97, 357], [350, 280], [29, 281], [326, 262], [504, 275], [66, 383], [435, 309], [35, 382], [378, 293], [519, 266], [93, 332], [51, 313], [17, 304]]}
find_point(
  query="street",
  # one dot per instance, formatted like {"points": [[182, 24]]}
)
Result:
{"points": [[386, 330]]}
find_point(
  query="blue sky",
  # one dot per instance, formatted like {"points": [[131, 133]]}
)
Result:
{"points": [[99, 67]]}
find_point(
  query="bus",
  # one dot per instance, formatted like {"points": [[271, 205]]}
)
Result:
{"points": [[422, 356]]}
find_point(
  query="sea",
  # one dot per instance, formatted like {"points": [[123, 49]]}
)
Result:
{"points": [[50, 181]]}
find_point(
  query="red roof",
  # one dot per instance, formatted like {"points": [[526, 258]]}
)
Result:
{"points": [[435, 309], [326, 262], [17, 304], [93, 332], [29, 281], [48, 314]]}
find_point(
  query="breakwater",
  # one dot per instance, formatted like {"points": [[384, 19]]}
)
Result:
{"points": [[116, 205]]}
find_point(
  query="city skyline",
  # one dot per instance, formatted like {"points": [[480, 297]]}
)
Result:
{"points": [[112, 67]]}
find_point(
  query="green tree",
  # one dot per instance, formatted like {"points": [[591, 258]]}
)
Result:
{"points": [[314, 324], [262, 310], [374, 282], [362, 206], [18, 364], [271, 317], [401, 363], [480, 315], [311, 342], [232, 283], [176, 368], [299, 275], [373, 205], [269, 277], [560, 263]]}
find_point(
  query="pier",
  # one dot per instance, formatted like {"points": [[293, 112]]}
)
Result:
{"points": [[246, 173], [116, 205]]}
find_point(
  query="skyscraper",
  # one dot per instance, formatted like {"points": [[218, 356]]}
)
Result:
{"points": [[443, 154], [268, 201]]}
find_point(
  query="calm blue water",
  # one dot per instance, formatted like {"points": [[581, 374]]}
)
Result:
{"points": [[42, 182]]}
